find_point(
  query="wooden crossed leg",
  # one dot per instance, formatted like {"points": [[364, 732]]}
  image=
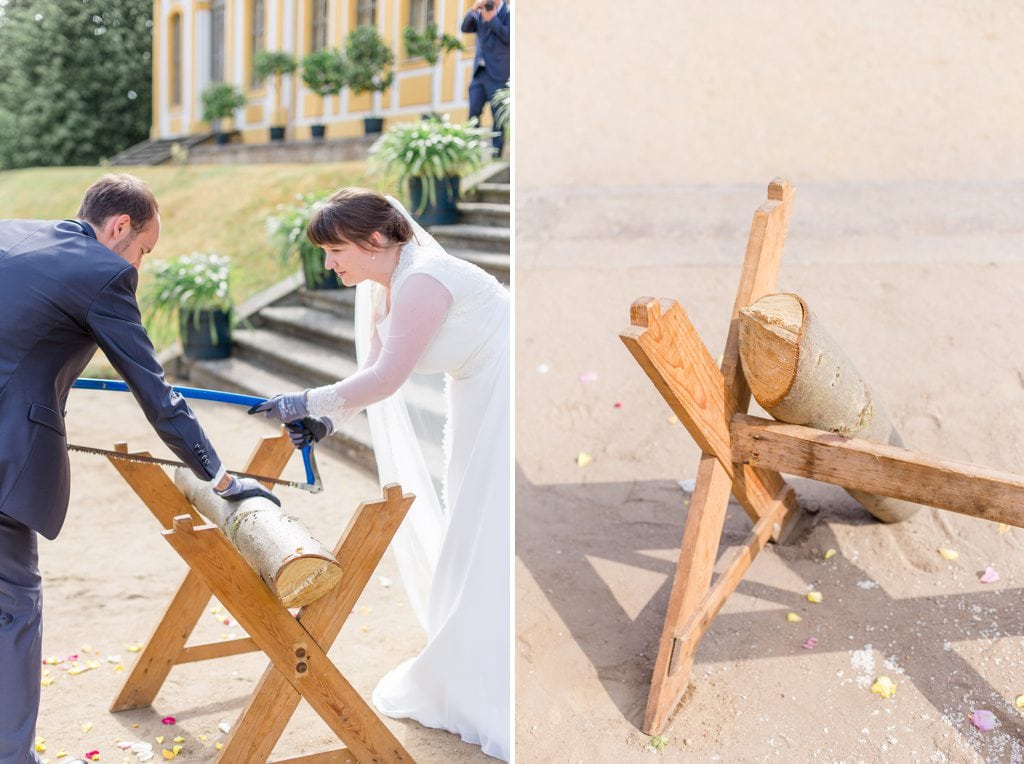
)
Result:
{"points": [[744, 455], [296, 646], [668, 348]]}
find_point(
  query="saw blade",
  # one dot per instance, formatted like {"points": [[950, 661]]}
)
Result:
{"points": [[125, 456]]}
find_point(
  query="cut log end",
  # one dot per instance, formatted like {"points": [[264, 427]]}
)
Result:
{"points": [[770, 331], [304, 579]]}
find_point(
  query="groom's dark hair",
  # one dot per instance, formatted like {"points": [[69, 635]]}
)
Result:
{"points": [[355, 214]]}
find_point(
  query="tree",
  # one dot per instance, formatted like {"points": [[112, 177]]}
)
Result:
{"points": [[431, 45], [75, 80]]}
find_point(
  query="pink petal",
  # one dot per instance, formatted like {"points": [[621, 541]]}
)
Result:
{"points": [[990, 576], [983, 720], [810, 643], [590, 376], [618, 404], [168, 720]]}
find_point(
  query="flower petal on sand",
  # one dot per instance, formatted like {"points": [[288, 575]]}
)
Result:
{"points": [[884, 686], [814, 597], [948, 554], [990, 576], [983, 720]]}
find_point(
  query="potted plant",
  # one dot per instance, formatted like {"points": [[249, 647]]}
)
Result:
{"points": [[430, 45], [431, 155], [502, 105], [325, 73], [220, 101], [275, 63], [195, 287], [288, 228], [370, 61]]}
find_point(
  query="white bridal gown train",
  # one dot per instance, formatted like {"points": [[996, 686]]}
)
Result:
{"points": [[454, 554]]}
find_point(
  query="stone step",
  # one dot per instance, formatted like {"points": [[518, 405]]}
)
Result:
{"points": [[495, 263], [503, 174], [320, 326], [351, 439], [485, 213], [310, 364], [472, 238], [492, 193], [340, 302]]}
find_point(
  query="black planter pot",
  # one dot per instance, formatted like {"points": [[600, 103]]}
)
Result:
{"points": [[277, 133], [373, 125], [223, 138], [317, 131], [443, 210], [206, 335]]}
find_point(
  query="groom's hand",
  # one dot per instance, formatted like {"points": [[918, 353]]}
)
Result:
{"points": [[286, 407], [309, 430], [246, 488]]}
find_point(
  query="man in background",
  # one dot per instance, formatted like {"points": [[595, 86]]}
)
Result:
{"points": [[489, 19]]}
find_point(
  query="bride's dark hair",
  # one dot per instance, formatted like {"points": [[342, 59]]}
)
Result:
{"points": [[353, 214]]}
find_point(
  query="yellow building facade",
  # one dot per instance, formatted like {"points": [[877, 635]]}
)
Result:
{"points": [[199, 42]]}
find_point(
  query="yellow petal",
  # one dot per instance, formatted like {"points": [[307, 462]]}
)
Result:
{"points": [[118, 668], [133, 648], [61, 754], [203, 738], [1019, 701], [884, 686], [46, 681], [86, 727], [364, 629], [584, 459], [160, 738], [673, 419], [168, 754], [814, 597], [179, 739], [948, 554], [830, 553], [1003, 528], [793, 618], [53, 660], [218, 746]]}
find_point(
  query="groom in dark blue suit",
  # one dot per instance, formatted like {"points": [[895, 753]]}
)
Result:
{"points": [[67, 287], [491, 61]]}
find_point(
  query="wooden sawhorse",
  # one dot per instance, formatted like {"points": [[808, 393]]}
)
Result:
{"points": [[743, 455], [296, 645]]}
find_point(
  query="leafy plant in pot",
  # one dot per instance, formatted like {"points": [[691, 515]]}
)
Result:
{"points": [[370, 60], [195, 287], [276, 64], [431, 45], [220, 101], [325, 73], [288, 228], [431, 155]]}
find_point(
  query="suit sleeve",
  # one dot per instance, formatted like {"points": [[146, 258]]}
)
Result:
{"points": [[116, 324], [500, 26], [469, 22]]}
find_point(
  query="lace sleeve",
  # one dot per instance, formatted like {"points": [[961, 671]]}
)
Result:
{"points": [[417, 312]]}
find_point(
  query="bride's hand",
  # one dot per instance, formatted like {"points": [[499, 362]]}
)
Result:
{"points": [[285, 407]]}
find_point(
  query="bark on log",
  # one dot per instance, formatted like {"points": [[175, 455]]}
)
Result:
{"points": [[293, 564], [799, 375]]}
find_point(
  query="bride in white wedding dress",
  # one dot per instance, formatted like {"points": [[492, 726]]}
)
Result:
{"points": [[419, 309]]}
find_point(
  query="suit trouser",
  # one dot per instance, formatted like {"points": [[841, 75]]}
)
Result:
{"points": [[21, 641], [481, 90]]}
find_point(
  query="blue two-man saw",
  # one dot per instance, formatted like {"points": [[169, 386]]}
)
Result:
{"points": [[312, 484]]}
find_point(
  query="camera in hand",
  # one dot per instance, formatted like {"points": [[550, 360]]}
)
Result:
{"points": [[489, 5]]}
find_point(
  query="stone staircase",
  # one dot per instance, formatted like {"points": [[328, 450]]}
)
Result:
{"points": [[291, 338], [158, 151]]}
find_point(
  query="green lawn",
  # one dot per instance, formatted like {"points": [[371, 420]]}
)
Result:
{"points": [[203, 208]]}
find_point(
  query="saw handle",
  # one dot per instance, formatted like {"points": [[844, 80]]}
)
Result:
{"points": [[201, 394]]}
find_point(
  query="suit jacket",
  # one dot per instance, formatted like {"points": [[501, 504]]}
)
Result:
{"points": [[492, 42], [62, 293]]}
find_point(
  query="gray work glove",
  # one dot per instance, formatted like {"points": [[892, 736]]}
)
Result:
{"points": [[285, 408], [246, 488], [309, 430]]}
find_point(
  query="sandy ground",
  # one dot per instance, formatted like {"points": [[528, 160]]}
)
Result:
{"points": [[109, 576], [645, 139]]}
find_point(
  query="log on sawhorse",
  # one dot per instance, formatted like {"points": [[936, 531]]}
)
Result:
{"points": [[743, 456], [296, 645]]}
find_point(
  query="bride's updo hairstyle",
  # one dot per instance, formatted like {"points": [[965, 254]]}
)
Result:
{"points": [[354, 214]]}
